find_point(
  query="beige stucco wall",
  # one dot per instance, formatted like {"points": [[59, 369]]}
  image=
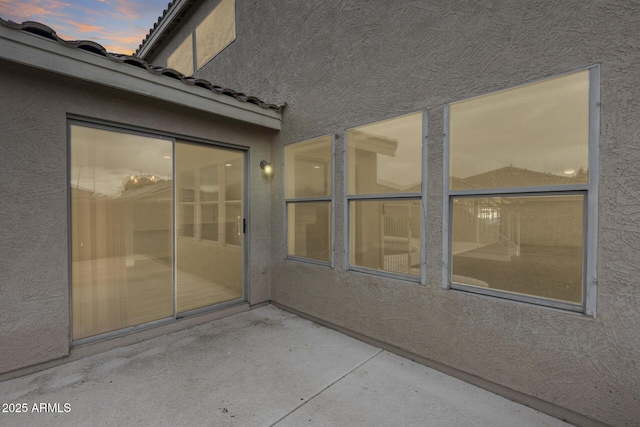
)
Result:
{"points": [[341, 64], [34, 273]]}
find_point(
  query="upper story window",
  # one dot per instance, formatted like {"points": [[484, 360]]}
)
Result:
{"points": [[384, 197], [521, 192], [213, 34], [308, 195]]}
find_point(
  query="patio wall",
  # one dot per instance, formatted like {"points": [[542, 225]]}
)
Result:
{"points": [[341, 64]]}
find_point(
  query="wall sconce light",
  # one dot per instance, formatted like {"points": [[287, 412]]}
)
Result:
{"points": [[266, 167]]}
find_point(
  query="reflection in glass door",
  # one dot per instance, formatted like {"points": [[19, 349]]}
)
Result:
{"points": [[142, 248], [121, 230], [209, 237]]}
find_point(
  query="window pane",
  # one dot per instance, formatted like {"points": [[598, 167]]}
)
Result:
{"points": [[216, 31], [182, 58], [233, 178], [209, 222], [309, 230], [121, 230], [207, 274], [186, 186], [526, 245], [308, 165], [187, 213], [532, 135], [386, 157], [209, 188], [385, 235]]}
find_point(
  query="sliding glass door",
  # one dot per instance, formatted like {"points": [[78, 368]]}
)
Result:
{"points": [[156, 228], [210, 226]]}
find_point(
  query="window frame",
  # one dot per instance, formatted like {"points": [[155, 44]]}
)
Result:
{"points": [[590, 212], [322, 199], [420, 196]]}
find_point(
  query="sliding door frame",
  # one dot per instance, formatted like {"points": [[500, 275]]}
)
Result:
{"points": [[174, 138]]}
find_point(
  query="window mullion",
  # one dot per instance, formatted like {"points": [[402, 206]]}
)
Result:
{"points": [[520, 190]]}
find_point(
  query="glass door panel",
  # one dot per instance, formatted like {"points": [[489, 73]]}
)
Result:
{"points": [[209, 254], [121, 230]]}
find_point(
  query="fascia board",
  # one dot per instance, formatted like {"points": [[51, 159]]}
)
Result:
{"points": [[35, 51]]}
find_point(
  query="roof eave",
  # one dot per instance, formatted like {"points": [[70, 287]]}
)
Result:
{"points": [[39, 52], [175, 10]]}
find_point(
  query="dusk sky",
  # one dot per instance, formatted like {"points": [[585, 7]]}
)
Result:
{"points": [[118, 25]]}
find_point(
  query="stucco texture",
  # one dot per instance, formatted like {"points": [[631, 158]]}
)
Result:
{"points": [[341, 64], [34, 278]]}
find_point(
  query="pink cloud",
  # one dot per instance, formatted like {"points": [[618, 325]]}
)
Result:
{"points": [[128, 39], [100, 20], [115, 48], [112, 42], [33, 10], [84, 28], [128, 9], [126, 44]]}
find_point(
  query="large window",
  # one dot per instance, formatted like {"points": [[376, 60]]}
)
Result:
{"points": [[213, 34], [132, 260], [520, 197], [384, 197], [308, 175]]}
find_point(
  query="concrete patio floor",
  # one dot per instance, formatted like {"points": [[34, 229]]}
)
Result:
{"points": [[263, 367]]}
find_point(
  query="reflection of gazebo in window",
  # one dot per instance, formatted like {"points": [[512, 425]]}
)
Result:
{"points": [[529, 243], [491, 224], [401, 237]]}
